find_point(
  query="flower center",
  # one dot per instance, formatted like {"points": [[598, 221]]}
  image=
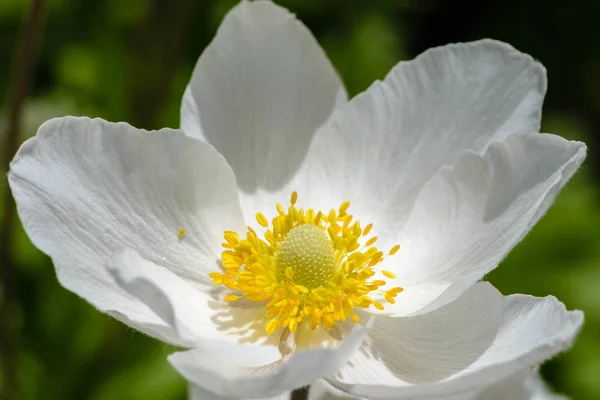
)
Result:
{"points": [[308, 252], [310, 266]]}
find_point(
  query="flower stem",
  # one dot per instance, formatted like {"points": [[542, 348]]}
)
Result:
{"points": [[300, 394]]}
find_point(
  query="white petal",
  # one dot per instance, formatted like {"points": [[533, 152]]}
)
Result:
{"points": [[378, 150], [525, 385], [193, 314], [198, 393], [469, 216], [87, 188], [322, 390], [478, 340], [235, 375], [258, 93]]}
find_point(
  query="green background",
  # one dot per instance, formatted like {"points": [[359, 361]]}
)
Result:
{"points": [[130, 60]]}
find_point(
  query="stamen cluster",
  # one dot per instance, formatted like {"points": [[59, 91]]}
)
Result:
{"points": [[330, 277]]}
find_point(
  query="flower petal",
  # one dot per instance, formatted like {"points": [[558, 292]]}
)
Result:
{"points": [[524, 385], [258, 93], [478, 340], [193, 314], [469, 216], [322, 390], [87, 188], [236, 374], [379, 150], [198, 393]]}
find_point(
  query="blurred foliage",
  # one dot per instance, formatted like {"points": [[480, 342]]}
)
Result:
{"points": [[130, 60]]}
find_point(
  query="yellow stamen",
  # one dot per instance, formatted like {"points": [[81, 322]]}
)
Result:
{"points": [[344, 207], [389, 274], [309, 266], [371, 241], [271, 326], [293, 325], [181, 233], [262, 220]]}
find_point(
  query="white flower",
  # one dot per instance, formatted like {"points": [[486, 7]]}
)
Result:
{"points": [[443, 158], [524, 385]]}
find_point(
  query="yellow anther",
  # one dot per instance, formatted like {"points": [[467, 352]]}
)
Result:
{"points": [[355, 318], [271, 326], [280, 209], [366, 301], [367, 229], [230, 264], [371, 241], [281, 303], [331, 217], [344, 207], [262, 220], [294, 198], [293, 325], [378, 305], [363, 289], [318, 218], [181, 233], [231, 297], [328, 320], [231, 238], [394, 249], [388, 274], [302, 289]]}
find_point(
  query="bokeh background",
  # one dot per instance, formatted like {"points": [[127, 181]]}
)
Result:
{"points": [[130, 60]]}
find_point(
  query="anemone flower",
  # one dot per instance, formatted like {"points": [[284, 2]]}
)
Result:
{"points": [[285, 234]]}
